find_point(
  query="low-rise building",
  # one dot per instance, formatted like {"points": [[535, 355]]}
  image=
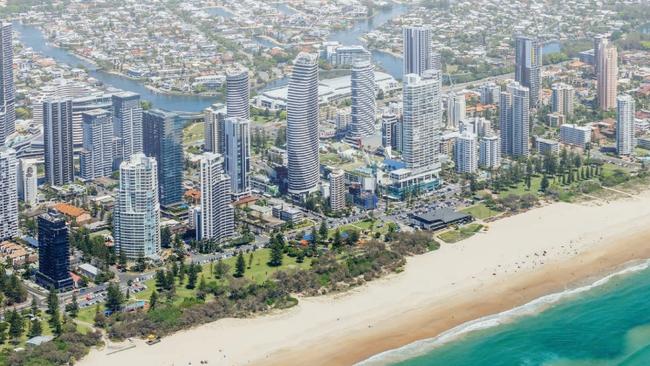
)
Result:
{"points": [[575, 135]]}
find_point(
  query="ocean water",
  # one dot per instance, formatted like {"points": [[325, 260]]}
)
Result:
{"points": [[605, 323]]}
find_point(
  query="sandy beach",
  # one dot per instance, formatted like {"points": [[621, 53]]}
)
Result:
{"points": [[519, 259]]}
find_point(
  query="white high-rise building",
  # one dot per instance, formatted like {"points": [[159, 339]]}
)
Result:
{"points": [[489, 152], [28, 181], [127, 126], [625, 125], [237, 154], [528, 66], [57, 138], [418, 50], [562, 99], [422, 121], [8, 194], [97, 154], [514, 120], [7, 89], [136, 221], [238, 93], [575, 135], [217, 214], [337, 190], [466, 153], [363, 101], [214, 118], [302, 126], [477, 125], [456, 109]]}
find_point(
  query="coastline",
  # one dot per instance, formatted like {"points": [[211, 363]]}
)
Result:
{"points": [[518, 260]]}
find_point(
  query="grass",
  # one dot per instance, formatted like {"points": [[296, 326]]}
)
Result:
{"points": [[521, 188], [461, 233], [480, 211], [193, 134], [361, 226]]}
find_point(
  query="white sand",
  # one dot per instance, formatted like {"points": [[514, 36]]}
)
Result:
{"points": [[348, 327]]}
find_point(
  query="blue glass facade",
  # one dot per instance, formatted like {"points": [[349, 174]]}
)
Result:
{"points": [[53, 252]]}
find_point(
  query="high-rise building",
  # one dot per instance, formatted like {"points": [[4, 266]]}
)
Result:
{"points": [[514, 121], [97, 154], [575, 135], [528, 66], [418, 49], [466, 153], [489, 152], [607, 77], [8, 194], [238, 155], [7, 89], [562, 99], [127, 126], [217, 214], [337, 190], [456, 109], [238, 93], [389, 135], [162, 132], [136, 220], [28, 181], [422, 121], [600, 42], [363, 101], [490, 93], [479, 126], [53, 252], [57, 138], [625, 125], [302, 126], [214, 118], [81, 105]]}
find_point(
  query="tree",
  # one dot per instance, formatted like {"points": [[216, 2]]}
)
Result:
{"points": [[35, 328], [323, 230], [544, 184], [353, 237], [114, 297], [52, 302], [221, 269], [338, 241], [122, 259], [314, 235], [34, 306], [153, 300], [73, 307], [165, 237], [100, 318], [192, 276], [250, 260], [277, 253], [240, 266], [16, 324]]}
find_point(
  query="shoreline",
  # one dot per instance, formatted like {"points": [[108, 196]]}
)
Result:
{"points": [[517, 261]]}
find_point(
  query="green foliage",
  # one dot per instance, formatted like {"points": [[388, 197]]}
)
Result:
{"points": [[240, 267], [114, 297]]}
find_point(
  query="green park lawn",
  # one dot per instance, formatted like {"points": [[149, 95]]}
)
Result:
{"points": [[480, 211], [193, 134], [461, 233]]}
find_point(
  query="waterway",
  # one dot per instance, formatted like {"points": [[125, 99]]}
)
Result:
{"points": [[32, 37]]}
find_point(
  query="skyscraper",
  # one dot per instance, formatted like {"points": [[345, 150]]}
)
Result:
{"points": [[422, 121], [7, 89], [214, 118], [302, 126], [136, 221], [97, 153], [8, 194], [337, 190], [490, 93], [389, 135], [28, 181], [418, 50], [489, 152], [625, 125], [607, 76], [466, 153], [238, 93], [456, 109], [217, 214], [528, 66], [127, 126], [514, 120], [53, 252], [363, 101], [57, 138], [562, 99], [237, 155], [162, 132], [600, 42]]}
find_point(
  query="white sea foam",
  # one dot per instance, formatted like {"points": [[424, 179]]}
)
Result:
{"points": [[423, 346]]}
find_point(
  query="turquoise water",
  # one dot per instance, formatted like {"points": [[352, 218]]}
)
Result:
{"points": [[604, 325]]}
